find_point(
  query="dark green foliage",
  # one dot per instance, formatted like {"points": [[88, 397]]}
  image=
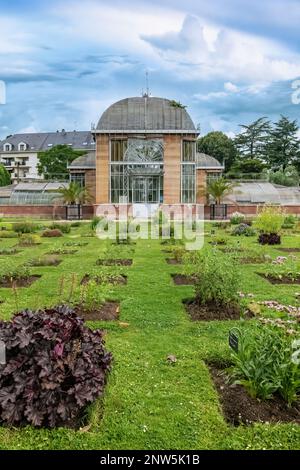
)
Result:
{"points": [[220, 146], [264, 364], [251, 142], [4, 176], [284, 145], [53, 163]]}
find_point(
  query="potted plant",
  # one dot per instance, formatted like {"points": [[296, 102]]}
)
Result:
{"points": [[217, 189]]}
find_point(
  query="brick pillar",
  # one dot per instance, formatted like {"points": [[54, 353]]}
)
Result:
{"points": [[102, 169], [172, 169], [201, 187]]}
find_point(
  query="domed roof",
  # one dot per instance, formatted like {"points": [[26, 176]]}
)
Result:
{"points": [[146, 114], [207, 161]]}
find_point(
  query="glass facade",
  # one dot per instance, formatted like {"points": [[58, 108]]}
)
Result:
{"points": [[136, 171], [188, 172]]}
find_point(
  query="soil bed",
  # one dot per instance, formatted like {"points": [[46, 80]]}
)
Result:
{"points": [[283, 280], [173, 261], [253, 260], [12, 253], [46, 264], [114, 262], [107, 312], [63, 252], [240, 408], [210, 312], [183, 280], [8, 283], [290, 250], [115, 280]]}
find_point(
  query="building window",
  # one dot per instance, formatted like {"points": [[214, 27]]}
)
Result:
{"points": [[7, 147], [188, 151], [118, 149], [78, 178], [22, 147], [212, 176], [188, 183]]}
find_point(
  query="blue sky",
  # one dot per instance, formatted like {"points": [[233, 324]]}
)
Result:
{"points": [[64, 62]]}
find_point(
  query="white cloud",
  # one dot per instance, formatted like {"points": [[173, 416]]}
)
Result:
{"points": [[231, 87], [236, 56]]}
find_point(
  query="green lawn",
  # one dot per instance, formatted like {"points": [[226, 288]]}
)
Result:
{"points": [[149, 403]]}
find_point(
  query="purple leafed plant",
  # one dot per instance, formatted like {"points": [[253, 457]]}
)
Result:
{"points": [[55, 367]]}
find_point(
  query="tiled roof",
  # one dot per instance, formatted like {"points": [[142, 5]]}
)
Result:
{"points": [[44, 141]]}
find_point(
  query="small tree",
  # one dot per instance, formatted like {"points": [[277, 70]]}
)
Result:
{"points": [[53, 163], [4, 176], [219, 188], [220, 146], [75, 194]]}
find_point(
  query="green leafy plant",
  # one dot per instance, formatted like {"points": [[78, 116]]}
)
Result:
{"points": [[237, 218], [269, 219], [243, 229], [13, 273], [290, 222], [75, 194], [64, 228], [217, 277], [48, 260], [28, 240], [8, 251], [8, 234], [264, 364], [25, 227], [92, 295]]}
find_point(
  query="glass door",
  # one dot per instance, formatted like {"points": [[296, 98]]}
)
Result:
{"points": [[145, 190]]}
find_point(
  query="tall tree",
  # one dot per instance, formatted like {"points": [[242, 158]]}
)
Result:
{"points": [[53, 163], [4, 176], [283, 148], [218, 145], [251, 142]]}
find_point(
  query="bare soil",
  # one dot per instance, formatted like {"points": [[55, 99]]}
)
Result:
{"points": [[107, 312], [115, 280], [240, 408], [283, 280], [210, 312], [21, 282], [183, 280]]}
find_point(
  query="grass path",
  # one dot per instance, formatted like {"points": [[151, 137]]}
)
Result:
{"points": [[150, 403]]}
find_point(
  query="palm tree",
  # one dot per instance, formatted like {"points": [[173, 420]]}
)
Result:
{"points": [[75, 194], [219, 188]]}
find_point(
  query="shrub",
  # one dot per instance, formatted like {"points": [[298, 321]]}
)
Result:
{"points": [[28, 240], [178, 253], [13, 273], [75, 224], [270, 219], [290, 221], [217, 277], [53, 233], [8, 234], [264, 364], [73, 243], [243, 229], [55, 367], [64, 228], [25, 227], [237, 218], [219, 240]]}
